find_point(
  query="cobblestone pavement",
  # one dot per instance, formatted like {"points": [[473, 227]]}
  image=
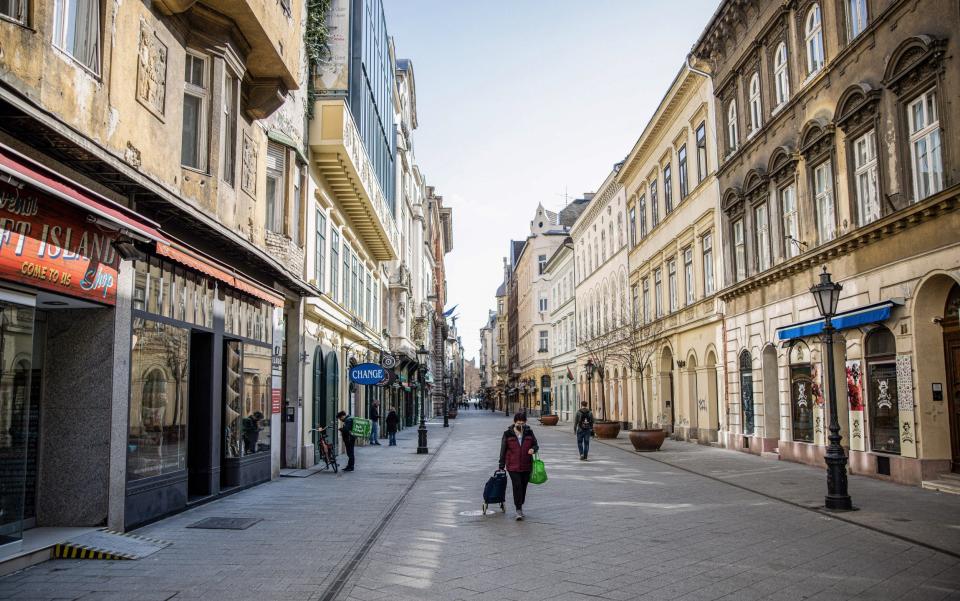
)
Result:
{"points": [[617, 527]]}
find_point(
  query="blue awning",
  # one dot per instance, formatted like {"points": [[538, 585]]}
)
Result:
{"points": [[842, 321]]}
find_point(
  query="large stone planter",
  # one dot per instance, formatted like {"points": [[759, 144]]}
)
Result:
{"points": [[606, 429], [549, 420], [647, 440]]}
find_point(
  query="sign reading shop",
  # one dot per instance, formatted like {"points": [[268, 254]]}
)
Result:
{"points": [[48, 244], [368, 374]]}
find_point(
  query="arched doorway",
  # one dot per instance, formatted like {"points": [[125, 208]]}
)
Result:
{"points": [[746, 393], [771, 395], [802, 396], [713, 408], [319, 401], [951, 345], [883, 407], [667, 408], [692, 406]]}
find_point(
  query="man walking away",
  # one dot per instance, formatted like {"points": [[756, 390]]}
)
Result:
{"points": [[583, 426], [346, 432], [392, 422], [375, 424]]}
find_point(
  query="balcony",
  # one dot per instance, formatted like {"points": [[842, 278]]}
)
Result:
{"points": [[340, 156]]}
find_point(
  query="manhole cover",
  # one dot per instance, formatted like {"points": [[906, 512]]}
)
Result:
{"points": [[225, 523], [477, 512]]}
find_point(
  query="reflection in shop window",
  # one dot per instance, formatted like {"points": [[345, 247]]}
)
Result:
{"points": [[247, 399], [160, 358]]}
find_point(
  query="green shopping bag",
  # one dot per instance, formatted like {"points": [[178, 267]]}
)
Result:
{"points": [[539, 473], [361, 427]]}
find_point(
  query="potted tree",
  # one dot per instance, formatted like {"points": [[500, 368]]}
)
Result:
{"points": [[599, 348], [636, 349]]}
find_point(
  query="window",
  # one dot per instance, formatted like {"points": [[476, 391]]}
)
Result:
{"points": [[865, 176], [646, 300], [658, 291], [346, 276], [762, 228], [298, 185], [603, 245], [732, 140], [642, 203], [756, 110], [544, 338], [780, 74], [356, 290], [856, 17], [791, 221], [925, 152], [634, 307], [247, 409], [375, 304], [667, 189], [654, 206], [15, 10], [823, 200], [76, 30], [672, 284], [334, 263], [611, 239], [543, 304], [688, 275], [701, 152], [231, 91], [321, 247], [813, 37], [193, 137], [541, 263], [882, 392], [708, 285], [619, 230], [802, 400], [368, 298], [682, 170], [633, 227], [739, 251], [276, 184]]}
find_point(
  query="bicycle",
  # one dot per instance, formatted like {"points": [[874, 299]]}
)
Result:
{"points": [[326, 449]]}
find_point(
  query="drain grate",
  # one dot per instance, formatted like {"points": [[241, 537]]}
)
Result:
{"points": [[225, 523]]}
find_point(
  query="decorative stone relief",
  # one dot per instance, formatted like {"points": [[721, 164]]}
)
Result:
{"points": [[151, 71], [248, 170], [905, 382]]}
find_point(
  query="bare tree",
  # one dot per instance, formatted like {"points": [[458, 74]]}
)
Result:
{"points": [[599, 349], [636, 347]]}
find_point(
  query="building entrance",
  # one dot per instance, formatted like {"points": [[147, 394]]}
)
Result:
{"points": [[951, 345]]}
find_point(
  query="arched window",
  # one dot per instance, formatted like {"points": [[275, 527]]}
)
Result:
{"points": [[813, 36], [882, 398], [756, 109], [780, 74], [732, 125]]}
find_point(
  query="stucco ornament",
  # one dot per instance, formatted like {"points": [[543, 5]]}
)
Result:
{"points": [[151, 70], [248, 172]]}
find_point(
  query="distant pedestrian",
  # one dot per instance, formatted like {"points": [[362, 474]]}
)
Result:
{"points": [[392, 422], [346, 431], [583, 426], [517, 447], [375, 423]]}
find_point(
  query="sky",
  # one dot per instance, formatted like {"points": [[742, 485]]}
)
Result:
{"points": [[522, 102]]}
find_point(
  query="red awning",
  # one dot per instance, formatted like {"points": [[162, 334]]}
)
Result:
{"points": [[27, 170]]}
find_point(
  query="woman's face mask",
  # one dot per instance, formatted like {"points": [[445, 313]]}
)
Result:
{"points": [[518, 426]]}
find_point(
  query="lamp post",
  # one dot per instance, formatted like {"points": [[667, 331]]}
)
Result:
{"points": [[422, 449], [590, 368], [827, 295], [446, 408]]}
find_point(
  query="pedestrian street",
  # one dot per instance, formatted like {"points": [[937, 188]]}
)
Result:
{"points": [[619, 526]]}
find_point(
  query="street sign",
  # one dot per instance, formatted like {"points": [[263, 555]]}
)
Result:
{"points": [[368, 374]]}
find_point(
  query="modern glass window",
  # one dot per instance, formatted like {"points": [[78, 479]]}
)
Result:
{"points": [[865, 174], [688, 275], [76, 31], [334, 264], [658, 291], [823, 201], [646, 300], [856, 17], [193, 137], [321, 248], [159, 398], [762, 228], [925, 153], [791, 221], [813, 40], [667, 189], [732, 139], [882, 398], [654, 205], [15, 10], [541, 263], [248, 383], [276, 184], [708, 282], [756, 108], [781, 75], [633, 227], [231, 94], [802, 401], [642, 203], [672, 285], [739, 251], [682, 170], [544, 339], [702, 169]]}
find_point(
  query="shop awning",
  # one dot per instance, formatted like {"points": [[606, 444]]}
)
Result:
{"points": [[22, 168], [207, 266], [842, 321]]}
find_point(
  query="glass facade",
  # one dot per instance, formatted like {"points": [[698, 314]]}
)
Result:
{"points": [[247, 393]]}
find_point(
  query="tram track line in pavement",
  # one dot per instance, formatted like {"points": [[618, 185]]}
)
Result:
{"points": [[347, 570]]}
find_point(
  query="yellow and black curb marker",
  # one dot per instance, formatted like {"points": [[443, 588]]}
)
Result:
{"points": [[78, 550]]}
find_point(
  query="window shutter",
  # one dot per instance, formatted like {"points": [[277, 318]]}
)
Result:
{"points": [[276, 157]]}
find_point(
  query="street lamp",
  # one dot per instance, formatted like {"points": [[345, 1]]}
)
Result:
{"points": [[448, 387], [590, 369], [422, 449], [827, 295]]}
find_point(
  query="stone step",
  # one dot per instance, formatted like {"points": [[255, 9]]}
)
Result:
{"points": [[947, 485]]}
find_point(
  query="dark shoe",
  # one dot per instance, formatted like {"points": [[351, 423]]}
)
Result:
{"points": [[348, 469], [582, 458], [519, 515]]}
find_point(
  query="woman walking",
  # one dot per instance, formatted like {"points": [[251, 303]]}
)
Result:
{"points": [[392, 422], [516, 455]]}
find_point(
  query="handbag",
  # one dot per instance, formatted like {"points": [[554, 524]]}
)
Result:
{"points": [[538, 475]]}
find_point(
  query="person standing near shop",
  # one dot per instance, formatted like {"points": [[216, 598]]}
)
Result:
{"points": [[393, 421], [583, 426], [346, 432], [517, 446], [375, 424]]}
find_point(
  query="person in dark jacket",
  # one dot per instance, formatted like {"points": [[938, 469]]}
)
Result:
{"points": [[346, 431], [517, 447], [392, 422], [583, 426], [375, 424]]}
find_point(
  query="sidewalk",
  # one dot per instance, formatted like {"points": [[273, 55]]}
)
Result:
{"points": [[310, 527], [920, 516]]}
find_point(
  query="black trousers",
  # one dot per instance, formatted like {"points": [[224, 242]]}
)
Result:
{"points": [[348, 443], [519, 481]]}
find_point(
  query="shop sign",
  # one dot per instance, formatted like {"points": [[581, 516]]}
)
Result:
{"points": [[368, 374], [275, 401], [48, 244]]}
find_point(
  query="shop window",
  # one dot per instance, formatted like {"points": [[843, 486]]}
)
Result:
{"points": [[746, 392], [882, 402], [18, 421], [247, 399], [802, 400], [196, 106], [76, 31], [159, 364], [161, 288]]}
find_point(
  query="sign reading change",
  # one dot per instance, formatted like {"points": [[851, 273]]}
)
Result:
{"points": [[368, 374]]}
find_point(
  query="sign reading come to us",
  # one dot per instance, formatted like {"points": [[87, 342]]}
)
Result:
{"points": [[367, 374]]}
